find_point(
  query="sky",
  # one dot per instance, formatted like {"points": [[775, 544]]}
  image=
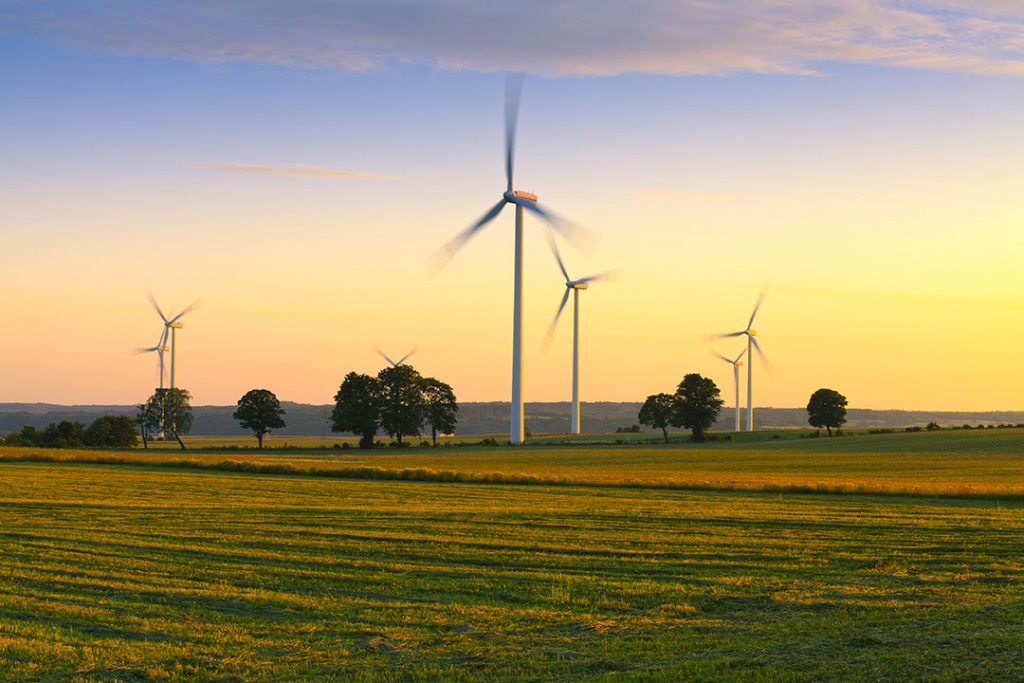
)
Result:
{"points": [[294, 165]]}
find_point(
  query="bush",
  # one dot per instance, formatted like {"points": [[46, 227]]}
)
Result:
{"points": [[489, 441], [933, 427], [635, 429]]}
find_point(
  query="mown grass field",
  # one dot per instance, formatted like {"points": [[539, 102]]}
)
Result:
{"points": [[149, 572]]}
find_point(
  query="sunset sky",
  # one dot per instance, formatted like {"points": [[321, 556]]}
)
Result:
{"points": [[293, 165]]}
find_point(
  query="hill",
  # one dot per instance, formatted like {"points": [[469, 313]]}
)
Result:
{"points": [[492, 417]]}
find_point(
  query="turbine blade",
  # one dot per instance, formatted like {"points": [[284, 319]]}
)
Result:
{"points": [[742, 353], [760, 353], [191, 307], [443, 255], [513, 90], [726, 336], [558, 256], [152, 300], [578, 235], [385, 357], [727, 360], [146, 350], [757, 306], [554, 322], [406, 356], [606, 276]]}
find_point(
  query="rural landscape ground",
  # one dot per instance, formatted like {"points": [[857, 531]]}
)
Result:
{"points": [[862, 557]]}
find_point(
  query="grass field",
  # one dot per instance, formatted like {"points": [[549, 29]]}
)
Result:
{"points": [[150, 572]]}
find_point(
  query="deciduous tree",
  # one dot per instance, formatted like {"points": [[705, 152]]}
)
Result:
{"points": [[697, 404], [260, 411], [658, 412], [441, 407], [402, 404], [826, 408], [357, 407]]}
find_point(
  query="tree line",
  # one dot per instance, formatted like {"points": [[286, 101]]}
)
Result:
{"points": [[110, 431]]}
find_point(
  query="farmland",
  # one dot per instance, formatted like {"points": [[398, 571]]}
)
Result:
{"points": [[592, 566]]}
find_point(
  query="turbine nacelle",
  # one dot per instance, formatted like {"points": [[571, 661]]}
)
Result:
{"points": [[752, 333], [577, 285], [512, 196], [176, 325]]}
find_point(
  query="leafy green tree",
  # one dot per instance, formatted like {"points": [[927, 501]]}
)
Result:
{"points": [[175, 409], [658, 412], [114, 431], [63, 434], [357, 407], [402, 404], [260, 411], [827, 408], [697, 404], [147, 417], [441, 407]]}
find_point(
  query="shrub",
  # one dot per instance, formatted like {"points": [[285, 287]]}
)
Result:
{"points": [[933, 427], [489, 441], [915, 428]]}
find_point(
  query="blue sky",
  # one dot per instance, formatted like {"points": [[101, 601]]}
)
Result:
{"points": [[864, 157]]}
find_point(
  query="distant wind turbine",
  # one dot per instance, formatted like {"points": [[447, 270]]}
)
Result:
{"points": [[160, 349], [752, 346], [171, 326], [394, 363], [522, 201], [573, 286], [735, 363]]}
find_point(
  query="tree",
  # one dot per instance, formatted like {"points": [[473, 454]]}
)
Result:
{"points": [[441, 407], [658, 412], [147, 417], [174, 409], [260, 411], [827, 408], [402, 404], [114, 431], [697, 404], [63, 434], [357, 407]]}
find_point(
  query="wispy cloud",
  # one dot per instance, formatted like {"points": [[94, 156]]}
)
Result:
{"points": [[683, 194], [573, 37], [297, 170]]}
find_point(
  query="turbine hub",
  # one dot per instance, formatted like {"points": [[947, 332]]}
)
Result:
{"points": [[752, 333]]}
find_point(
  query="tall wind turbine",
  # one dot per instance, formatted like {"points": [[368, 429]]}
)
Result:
{"points": [[735, 363], [752, 346], [171, 327], [160, 349], [394, 363], [574, 287], [523, 201]]}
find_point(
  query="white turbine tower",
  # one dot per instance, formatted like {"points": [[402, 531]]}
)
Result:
{"points": [[752, 346], [394, 363], [573, 286], [523, 201], [160, 349], [735, 363]]}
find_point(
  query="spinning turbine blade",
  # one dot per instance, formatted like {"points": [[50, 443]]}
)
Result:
{"points": [[567, 229], [152, 300], [443, 255], [558, 256], [606, 276], [513, 90], [406, 356], [191, 307], [727, 360], [558, 314], [760, 300], [385, 357], [742, 353], [760, 353], [730, 334]]}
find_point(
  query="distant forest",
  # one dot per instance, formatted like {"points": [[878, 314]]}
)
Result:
{"points": [[492, 418]]}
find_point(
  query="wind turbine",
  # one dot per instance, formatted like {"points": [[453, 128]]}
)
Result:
{"points": [[160, 349], [393, 363], [171, 327], [523, 201], [573, 286], [752, 346], [735, 363]]}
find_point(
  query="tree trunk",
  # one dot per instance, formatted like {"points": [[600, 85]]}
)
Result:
{"points": [[664, 431], [145, 441], [180, 442], [398, 438], [829, 430], [259, 441], [433, 434]]}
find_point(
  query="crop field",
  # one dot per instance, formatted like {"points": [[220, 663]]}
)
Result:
{"points": [[591, 566]]}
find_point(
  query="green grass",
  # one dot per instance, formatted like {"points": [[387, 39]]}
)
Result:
{"points": [[150, 572]]}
